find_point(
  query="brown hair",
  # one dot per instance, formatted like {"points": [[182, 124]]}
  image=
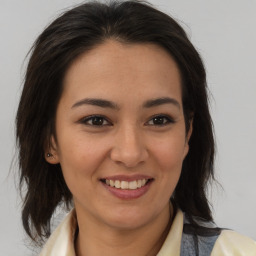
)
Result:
{"points": [[73, 33]]}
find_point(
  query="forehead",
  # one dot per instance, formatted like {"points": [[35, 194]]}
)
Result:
{"points": [[115, 68]]}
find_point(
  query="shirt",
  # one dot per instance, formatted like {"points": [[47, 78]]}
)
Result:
{"points": [[229, 243]]}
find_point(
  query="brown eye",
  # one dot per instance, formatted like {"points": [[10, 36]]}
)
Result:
{"points": [[160, 120], [95, 121]]}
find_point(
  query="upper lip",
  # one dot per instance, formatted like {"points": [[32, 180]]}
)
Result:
{"points": [[127, 177]]}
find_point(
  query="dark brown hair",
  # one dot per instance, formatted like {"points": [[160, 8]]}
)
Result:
{"points": [[73, 33]]}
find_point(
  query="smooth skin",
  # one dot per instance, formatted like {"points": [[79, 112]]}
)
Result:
{"points": [[129, 133]]}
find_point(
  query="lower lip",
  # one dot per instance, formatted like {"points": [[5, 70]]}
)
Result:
{"points": [[128, 194]]}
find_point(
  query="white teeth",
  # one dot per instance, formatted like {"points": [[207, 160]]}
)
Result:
{"points": [[117, 184], [133, 184], [126, 184], [112, 183]]}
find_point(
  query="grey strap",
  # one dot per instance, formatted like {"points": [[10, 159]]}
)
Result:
{"points": [[202, 246], [198, 240]]}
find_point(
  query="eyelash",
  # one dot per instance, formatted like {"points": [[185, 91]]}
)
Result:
{"points": [[86, 120], [168, 120]]}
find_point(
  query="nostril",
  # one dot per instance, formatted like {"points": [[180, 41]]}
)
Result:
{"points": [[128, 159]]}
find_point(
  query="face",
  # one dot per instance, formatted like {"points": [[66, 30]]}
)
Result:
{"points": [[120, 133]]}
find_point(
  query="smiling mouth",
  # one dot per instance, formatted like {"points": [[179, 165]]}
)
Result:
{"points": [[127, 185]]}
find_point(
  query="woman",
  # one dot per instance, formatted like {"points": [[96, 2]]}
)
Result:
{"points": [[114, 119]]}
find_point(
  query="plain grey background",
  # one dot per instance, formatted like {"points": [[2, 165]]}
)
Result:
{"points": [[224, 33]]}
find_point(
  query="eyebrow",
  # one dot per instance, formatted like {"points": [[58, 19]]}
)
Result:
{"points": [[161, 101], [96, 102], [109, 104]]}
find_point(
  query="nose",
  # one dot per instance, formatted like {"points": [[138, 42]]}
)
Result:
{"points": [[129, 147]]}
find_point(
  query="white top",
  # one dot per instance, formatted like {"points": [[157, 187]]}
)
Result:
{"points": [[229, 243]]}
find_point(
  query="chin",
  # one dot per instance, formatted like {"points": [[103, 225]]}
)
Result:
{"points": [[127, 219]]}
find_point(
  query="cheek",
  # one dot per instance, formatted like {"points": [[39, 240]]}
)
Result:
{"points": [[79, 163], [80, 157], [168, 158], [170, 153]]}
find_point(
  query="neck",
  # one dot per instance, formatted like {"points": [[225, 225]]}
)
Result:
{"points": [[104, 240]]}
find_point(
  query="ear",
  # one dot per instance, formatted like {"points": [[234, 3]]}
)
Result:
{"points": [[189, 133], [51, 152]]}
